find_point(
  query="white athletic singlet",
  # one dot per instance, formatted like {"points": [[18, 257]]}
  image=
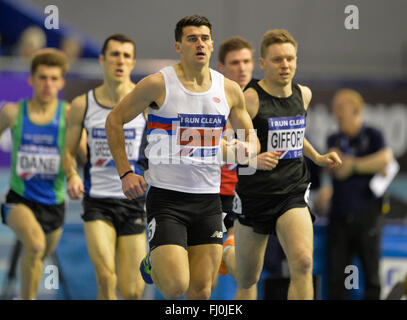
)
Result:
{"points": [[101, 177], [184, 136]]}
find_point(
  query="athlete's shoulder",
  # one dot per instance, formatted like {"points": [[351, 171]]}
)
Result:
{"points": [[304, 89], [152, 81], [155, 78], [306, 95], [252, 84], [252, 102], [10, 107], [80, 102], [66, 104], [234, 93], [251, 96], [232, 85], [10, 111], [77, 108]]}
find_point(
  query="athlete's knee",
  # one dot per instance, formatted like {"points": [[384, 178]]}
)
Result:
{"points": [[248, 283], [35, 249], [248, 280], [175, 290], [201, 292], [131, 290], [302, 264], [173, 287], [132, 293], [107, 279], [204, 294]]}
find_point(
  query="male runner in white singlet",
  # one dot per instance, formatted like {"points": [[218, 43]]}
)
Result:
{"points": [[189, 105], [114, 225]]}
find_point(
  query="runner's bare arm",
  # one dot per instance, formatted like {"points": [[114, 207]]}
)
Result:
{"points": [[330, 159], [252, 102], [306, 96], [239, 117], [74, 131], [146, 91], [265, 160], [82, 154], [8, 116]]}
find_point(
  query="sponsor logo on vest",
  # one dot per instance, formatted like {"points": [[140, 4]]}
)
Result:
{"points": [[217, 234]]}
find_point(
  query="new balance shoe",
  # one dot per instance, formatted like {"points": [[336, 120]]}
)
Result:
{"points": [[145, 269]]}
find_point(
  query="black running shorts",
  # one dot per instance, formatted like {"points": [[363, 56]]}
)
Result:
{"points": [[262, 214], [227, 208], [50, 217], [184, 219], [127, 216]]}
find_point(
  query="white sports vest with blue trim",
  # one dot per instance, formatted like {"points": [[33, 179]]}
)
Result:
{"points": [[184, 136], [101, 177]]}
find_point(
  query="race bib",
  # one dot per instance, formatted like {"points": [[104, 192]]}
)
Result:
{"points": [[37, 160], [286, 135], [199, 135], [100, 151]]}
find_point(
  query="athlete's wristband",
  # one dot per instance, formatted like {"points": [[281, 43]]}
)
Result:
{"points": [[125, 174]]}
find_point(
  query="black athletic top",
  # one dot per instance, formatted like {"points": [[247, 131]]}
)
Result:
{"points": [[251, 83], [280, 125]]}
